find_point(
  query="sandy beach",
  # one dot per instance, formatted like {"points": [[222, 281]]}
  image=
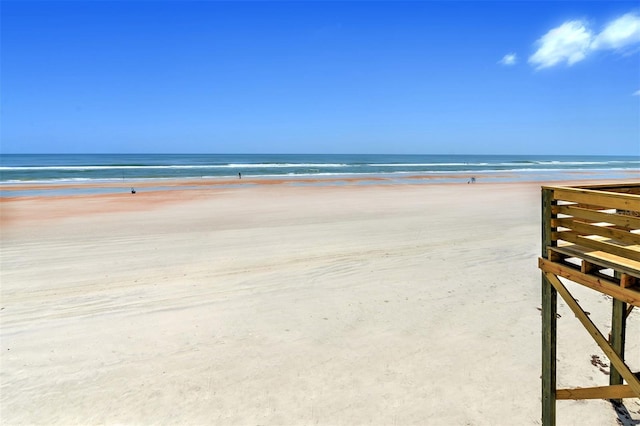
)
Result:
{"points": [[287, 305]]}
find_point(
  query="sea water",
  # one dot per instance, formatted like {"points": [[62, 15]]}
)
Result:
{"points": [[87, 167], [20, 169]]}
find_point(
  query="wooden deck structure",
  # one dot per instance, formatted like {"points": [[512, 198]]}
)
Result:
{"points": [[590, 236]]}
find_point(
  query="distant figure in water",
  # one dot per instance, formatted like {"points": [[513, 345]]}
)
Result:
{"points": [[133, 191], [239, 175], [473, 180]]}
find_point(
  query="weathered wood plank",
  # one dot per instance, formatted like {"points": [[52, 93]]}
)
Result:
{"points": [[547, 216], [614, 358], [598, 198], [600, 392], [583, 228], [622, 220], [588, 267], [627, 281], [627, 188], [627, 295], [623, 251], [555, 256], [605, 260]]}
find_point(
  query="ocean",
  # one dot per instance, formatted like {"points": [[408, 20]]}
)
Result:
{"points": [[41, 168], [18, 170]]}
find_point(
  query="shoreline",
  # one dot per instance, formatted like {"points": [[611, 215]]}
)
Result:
{"points": [[27, 189], [73, 201]]}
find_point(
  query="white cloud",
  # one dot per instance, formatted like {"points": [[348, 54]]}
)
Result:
{"points": [[619, 34], [567, 43], [509, 59], [573, 41]]}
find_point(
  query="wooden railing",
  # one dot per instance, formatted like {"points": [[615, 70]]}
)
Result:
{"points": [[604, 221], [600, 228]]}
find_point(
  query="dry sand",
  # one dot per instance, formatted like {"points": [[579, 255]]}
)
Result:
{"points": [[286, 305]]}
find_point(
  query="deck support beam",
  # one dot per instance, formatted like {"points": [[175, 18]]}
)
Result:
{"points": [[549, 318], [614, 357], [602, 285], [549, 335], [618, 333], [614, 393]]}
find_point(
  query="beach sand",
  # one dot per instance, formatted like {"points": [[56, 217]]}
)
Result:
{"points": [[287, 305]]}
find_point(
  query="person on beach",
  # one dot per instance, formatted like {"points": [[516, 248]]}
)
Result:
{"points": [[239, 175]]}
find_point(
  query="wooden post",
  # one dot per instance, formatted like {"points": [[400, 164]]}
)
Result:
{"points": [[618, 332], [549, 312]]}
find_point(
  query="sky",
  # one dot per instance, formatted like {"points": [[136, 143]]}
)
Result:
{"points": [[389, 77]]}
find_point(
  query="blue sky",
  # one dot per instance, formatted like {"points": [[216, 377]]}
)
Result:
{"points": [[423, 77]]}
